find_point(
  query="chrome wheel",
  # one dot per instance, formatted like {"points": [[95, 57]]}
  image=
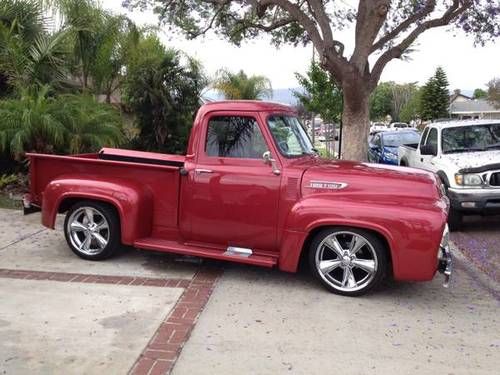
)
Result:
{"points": [[346, 261], [88, 230]]}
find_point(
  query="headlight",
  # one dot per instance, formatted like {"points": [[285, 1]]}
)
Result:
{"points": [[468, 179]]}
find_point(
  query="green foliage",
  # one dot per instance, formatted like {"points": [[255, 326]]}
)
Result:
{"points": [[434, 100], [162, 88], [320, 94], [240, 86], [38, 122], [381, 101], [28, 53], [411, 110], [479, 94], [7, 179]]}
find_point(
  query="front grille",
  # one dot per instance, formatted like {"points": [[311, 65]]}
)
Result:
{"points": [[495, 179]]}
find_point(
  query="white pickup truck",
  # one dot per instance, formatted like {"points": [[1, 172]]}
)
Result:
{"points": [[466, 156]]}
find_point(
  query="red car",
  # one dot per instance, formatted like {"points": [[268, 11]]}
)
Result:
{"points": [[251, 189]]}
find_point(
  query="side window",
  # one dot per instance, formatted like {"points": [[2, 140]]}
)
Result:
{"points": [[234, 137], [424, 135], [432, 139], [376, 141]]}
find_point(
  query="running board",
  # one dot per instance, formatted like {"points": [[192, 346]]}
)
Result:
{"points": [[232, 253]]}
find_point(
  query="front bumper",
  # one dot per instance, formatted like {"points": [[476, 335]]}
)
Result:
{"points": [[445, 262], [475, 201]]}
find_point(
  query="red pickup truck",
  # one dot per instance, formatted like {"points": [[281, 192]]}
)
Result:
{"points": [[251, 189]]}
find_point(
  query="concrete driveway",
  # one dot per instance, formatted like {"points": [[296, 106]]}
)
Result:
{"points": [[147, 313]]}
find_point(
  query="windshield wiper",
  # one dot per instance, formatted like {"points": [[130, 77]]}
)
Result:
{"points": [[494, 145], [453, 150]]}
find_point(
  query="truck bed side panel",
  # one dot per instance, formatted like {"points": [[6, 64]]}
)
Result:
{"points": [[161, 180]]}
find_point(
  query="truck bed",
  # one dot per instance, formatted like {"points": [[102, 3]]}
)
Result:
{"points": [[159, 173]]}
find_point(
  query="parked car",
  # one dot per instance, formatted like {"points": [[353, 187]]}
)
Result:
{"points": [[378, 127], [383, 147], [466, 156], [251, 190], [399, 125]]}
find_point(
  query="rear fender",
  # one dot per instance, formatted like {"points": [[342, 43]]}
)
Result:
{"points": [[133, 202]]}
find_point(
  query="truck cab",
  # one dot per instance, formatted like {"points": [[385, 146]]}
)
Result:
{"points": [[466, 157]]}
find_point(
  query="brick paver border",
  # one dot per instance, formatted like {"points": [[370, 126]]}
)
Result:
{"points": [[161, 352]]}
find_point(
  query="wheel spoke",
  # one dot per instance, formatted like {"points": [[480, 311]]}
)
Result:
{"points": [[365, 264], [102, 225], [333, 244], [76, 226], [328, 266], [85, 245], [89, 214], [348, 280], [101, 241], [357, 243]]}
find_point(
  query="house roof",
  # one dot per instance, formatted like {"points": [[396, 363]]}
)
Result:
{"points": [[473, 106]]}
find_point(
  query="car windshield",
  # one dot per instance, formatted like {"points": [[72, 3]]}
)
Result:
{"points": [[400, 125], [471, 138], [396, 140], [289, 135]]}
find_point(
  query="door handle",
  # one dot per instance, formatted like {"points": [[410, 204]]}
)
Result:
{"points": [[202, 171]]}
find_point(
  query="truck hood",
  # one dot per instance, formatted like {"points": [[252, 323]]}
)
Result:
{"points": [[474, 159], [373, 182]]}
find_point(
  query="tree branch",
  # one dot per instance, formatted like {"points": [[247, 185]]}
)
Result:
{"points": [[429, 7], [395, 52], [371, 16]]}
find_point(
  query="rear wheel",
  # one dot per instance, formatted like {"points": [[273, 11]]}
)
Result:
{"points": [[92, 230], [348, 261]]}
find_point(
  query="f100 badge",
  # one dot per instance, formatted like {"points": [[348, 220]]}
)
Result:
{"points": [[328, 185]]}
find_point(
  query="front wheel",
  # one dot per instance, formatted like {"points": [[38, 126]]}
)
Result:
{"points": [[348, 261], [455, 219], [92, 230]]}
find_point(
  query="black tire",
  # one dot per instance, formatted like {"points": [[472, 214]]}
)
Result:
{"points": [[375, 249], [454, 220], [112, 234], [403, 163]]}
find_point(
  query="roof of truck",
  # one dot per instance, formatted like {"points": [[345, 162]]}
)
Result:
{"points": [[246, 105], [457, 123]]}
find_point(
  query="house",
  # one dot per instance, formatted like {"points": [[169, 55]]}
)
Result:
{"points": [[463, 107]]}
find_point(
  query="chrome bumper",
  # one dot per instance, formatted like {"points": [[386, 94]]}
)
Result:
{"points": [[445, 262]]}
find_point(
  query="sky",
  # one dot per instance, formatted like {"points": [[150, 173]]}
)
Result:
{"points": [[467, 67]]}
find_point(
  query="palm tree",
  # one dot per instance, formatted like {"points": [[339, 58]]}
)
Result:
{"points": [[240, 86], [28, 53], [38, 122], [28, 124]]}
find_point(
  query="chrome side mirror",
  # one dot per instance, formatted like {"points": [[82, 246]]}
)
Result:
{"points": [[268, 159]]}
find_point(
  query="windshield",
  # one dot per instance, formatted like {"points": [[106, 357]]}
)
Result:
{"points": [[396, 140], [471, 138], [289, 135]]}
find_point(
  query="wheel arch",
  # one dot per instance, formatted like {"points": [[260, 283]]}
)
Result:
{"points": [[127, 199], [291, 262]]}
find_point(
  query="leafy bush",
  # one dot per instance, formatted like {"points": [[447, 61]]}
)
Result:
{"points": [[38, 122], [7, 179]]}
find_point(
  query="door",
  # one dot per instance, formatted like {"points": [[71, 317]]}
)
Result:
{"points": [[233, 197], [425, 161], [375, 149]]}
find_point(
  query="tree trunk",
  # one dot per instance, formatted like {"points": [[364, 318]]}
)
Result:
{"points": [[355, 123]]}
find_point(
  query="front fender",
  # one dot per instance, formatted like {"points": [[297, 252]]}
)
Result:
{"points": [[412, 230], [133, 202]]}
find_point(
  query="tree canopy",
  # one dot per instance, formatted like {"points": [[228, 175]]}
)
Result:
{"points": [[435, 99], [319, 94], [240, 86]]}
